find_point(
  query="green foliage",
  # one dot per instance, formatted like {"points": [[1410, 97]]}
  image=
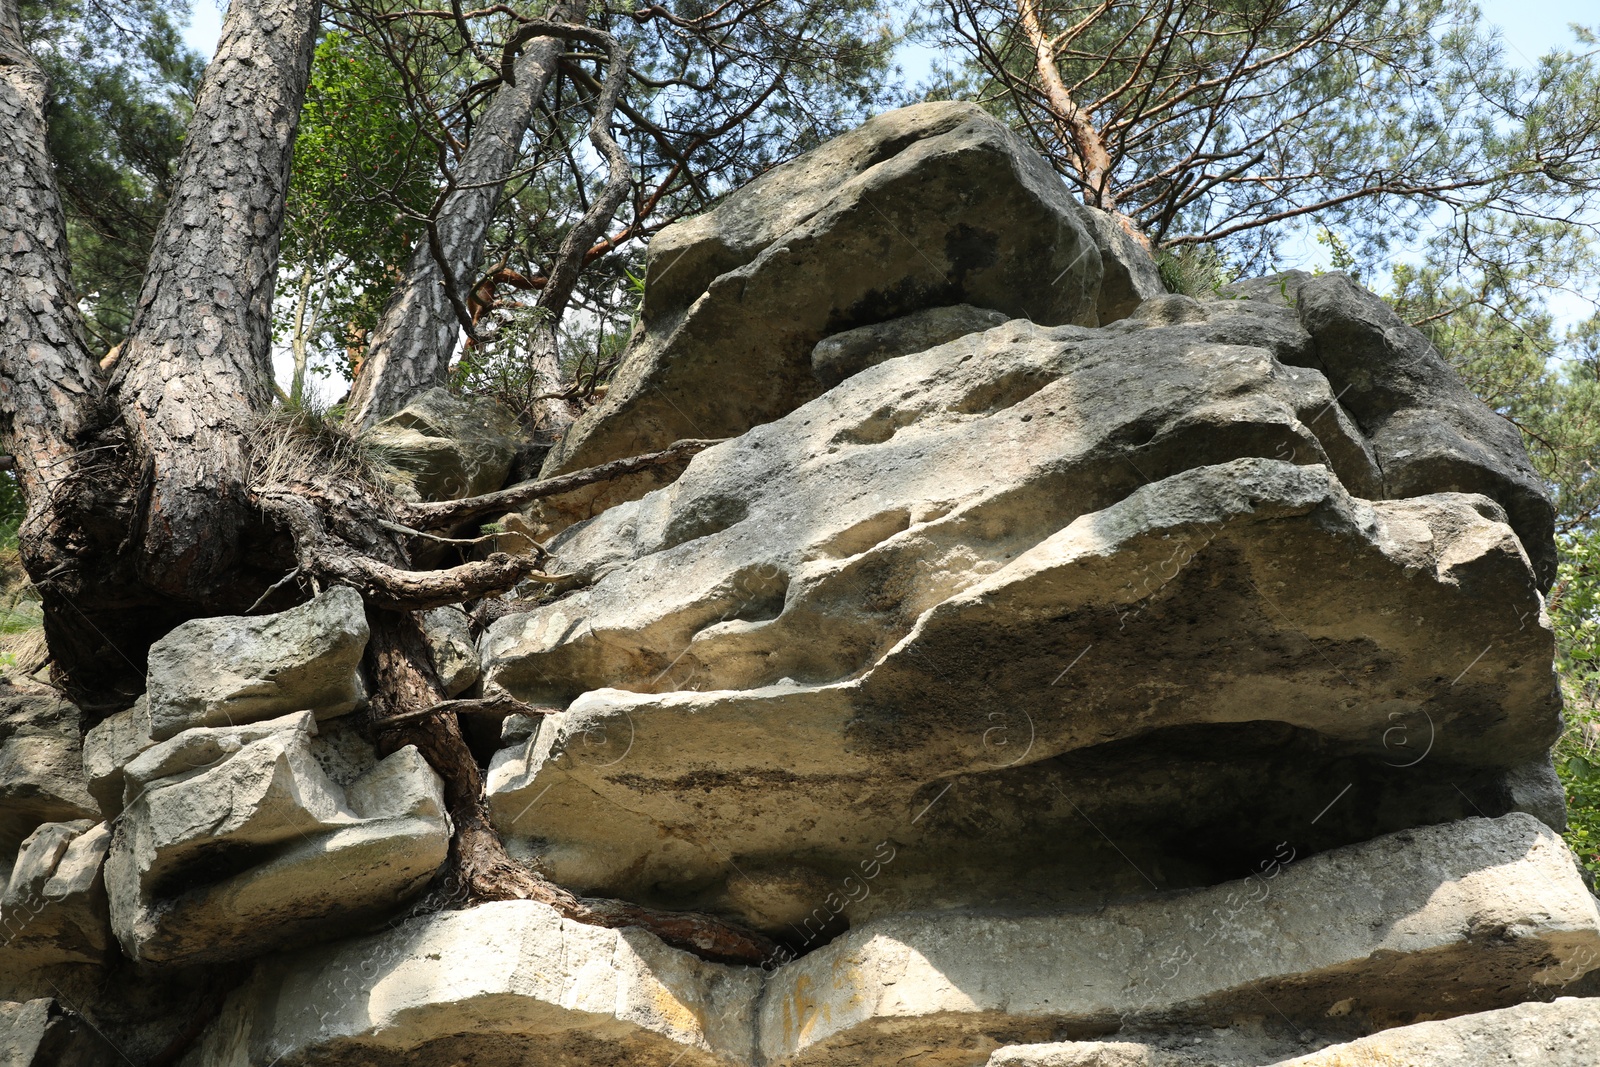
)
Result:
{"points": [[121, 86], [362, 175], [1251, 125], [1575, 613], [1497, 332], [19, 605], [715, 98]]}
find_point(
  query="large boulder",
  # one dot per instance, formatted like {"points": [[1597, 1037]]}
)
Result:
{"points": [[234, 841], [446, 447], [227, 670], [928, 206], [500, 985], [1139, 580]]}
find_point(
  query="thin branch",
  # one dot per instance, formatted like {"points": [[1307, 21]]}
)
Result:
{"points": [[439, 514]]}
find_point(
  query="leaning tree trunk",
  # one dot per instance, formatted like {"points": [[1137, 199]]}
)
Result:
{"points": [[48, 386], [198, 366], [411, 347]]}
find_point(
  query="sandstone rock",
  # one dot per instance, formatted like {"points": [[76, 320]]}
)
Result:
{"points": [[1130, 276], [1534, 788], [54, 907], [500, 985], [1454, 918], [1428, 432], [41, 768], [1035, 569], [1077, 1054], [837, 357], [1451, 918], [229, 669], [455, 654], [1564, 1033], [928, 206], [447, 447], [110, 745], [234, 842], [844, 354], [39, 1033]]}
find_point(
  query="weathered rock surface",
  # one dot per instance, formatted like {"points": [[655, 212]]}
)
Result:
{"points": [[228, 670], [1139, 578], [1454, 918], [839, 356], [41, 773], [53, 909], [501, 985], [110, 745], [1130, 276], [928, 206], [1447, 919], [234, 842], [1060, 671], [1564, 1033], [39, 1033], [455, 653], [1428, 432], [448, 447]]}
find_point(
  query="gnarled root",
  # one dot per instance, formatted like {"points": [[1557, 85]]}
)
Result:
{"points": [[405, 685]]}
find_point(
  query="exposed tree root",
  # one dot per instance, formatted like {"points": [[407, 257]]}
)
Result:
{"points": [[404, 684], [445, 513]]}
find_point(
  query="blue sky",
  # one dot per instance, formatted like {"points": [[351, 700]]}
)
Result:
{"points": [[1535, 26]]}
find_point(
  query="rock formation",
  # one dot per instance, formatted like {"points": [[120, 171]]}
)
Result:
{"points": [[1062, 673]]}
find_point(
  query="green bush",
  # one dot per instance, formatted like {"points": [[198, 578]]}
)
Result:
{"points": [[1575, 613]]}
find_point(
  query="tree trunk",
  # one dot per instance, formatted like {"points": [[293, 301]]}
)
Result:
{"points": [[198, 368], [411, 347], [138, 509], [1073, 126], [48, 386]]}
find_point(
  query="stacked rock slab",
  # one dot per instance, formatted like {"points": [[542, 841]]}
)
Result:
{"points": [[1450, 919], [925, 207], [996, 602], [237, 831]]}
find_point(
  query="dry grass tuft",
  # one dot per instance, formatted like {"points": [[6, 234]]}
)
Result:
{"points": [[297, 445]]}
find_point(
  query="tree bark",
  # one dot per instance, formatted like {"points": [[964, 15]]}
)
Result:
{"points": [[49, 391], [199, 363], [411, 347], [136, 501], [161, 529], [1073, 125]]}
